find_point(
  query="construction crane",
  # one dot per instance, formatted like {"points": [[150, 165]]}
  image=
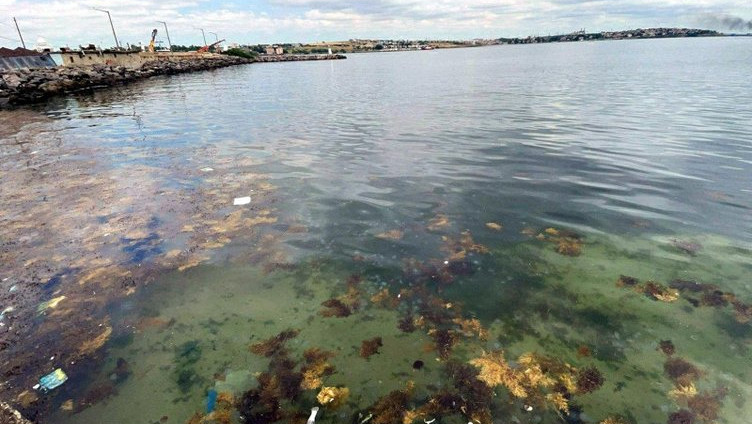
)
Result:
{"points": [[153, 37], [206, 48]]}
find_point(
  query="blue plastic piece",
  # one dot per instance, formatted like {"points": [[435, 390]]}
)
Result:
{"points": [[53, 380], [211, 401]]}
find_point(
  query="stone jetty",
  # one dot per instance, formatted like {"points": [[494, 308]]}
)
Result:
{"points": [[23, 86]]}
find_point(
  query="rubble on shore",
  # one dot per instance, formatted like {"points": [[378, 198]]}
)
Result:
{"points": [[23, 86]]}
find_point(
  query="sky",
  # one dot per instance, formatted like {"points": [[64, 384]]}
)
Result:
{"points": [[74, 22]]}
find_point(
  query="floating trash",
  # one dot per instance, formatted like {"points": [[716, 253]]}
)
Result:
{"points": [[53, 380], [240, 201], [211, 401], [312, 417], [50, 304], [207, 169]]}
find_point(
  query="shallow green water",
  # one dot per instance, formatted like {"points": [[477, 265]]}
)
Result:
{"points": [[529, 297]]}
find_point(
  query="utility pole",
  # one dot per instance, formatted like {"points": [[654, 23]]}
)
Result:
{"points": [[169, 43], [117, 43], [203, 34], [19, 32]]}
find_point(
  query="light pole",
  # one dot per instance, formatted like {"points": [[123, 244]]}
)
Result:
{"points": [[117, 43], [19, 32], [203, 34], [166, 32]]}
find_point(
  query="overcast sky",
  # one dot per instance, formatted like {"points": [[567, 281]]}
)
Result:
{"points": [[263, 21]]}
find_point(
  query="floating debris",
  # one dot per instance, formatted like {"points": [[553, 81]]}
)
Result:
{"points": [[312, 417], [494, 226], [391, 235], [438, 222], [240, 201], [53, 380], [50, 304]]}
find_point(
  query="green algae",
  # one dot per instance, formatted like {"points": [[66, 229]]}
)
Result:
{"points": [[534, 300]]}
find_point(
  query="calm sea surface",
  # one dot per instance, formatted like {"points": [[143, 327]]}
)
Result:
{"points": [[491, 197]]}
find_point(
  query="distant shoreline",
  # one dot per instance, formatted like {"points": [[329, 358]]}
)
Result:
{"points": [[388, 46]]}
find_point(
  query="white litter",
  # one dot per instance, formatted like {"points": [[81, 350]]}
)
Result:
{"points": [[240, 201], [312, 418], [207, 169]]}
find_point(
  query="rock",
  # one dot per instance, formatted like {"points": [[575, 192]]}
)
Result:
{"points": [[25, 86], [8, 415], [12, 81]]}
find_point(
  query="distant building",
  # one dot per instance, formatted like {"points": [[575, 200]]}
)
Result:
{"points": [[274, 50]]}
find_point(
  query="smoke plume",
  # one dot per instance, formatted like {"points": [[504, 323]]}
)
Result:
{"points": [[726, 22]]}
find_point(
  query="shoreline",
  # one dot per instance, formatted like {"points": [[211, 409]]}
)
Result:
{"points": [[19, 87]]}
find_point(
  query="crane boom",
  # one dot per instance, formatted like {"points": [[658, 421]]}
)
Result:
{"points": [[206, 48], [153, 37]]}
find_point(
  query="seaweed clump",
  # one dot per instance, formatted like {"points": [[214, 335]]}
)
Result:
{"points": [[316, 367], [333, 397], [537, 379], [651, 289], [370, 347], [568, 243], [344, 305], [626, 281], [262, 405], [667, 347], [705, 405], [472, 328], [335, 308], [589, 379], [681, 372], [390, 409], [274, 345], [467, 396], [407, 324], [444, 341], [712, 296], [681, 416]]}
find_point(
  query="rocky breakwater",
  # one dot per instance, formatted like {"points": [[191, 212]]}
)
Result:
{"points": [[23, 86]]}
